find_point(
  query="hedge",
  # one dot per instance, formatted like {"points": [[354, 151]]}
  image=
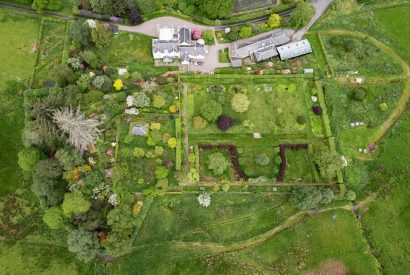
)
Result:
{"points": [[326, 121], [178, 158], [196, 151], [332, 146], [241, 78], [236, 18], [312, 163], [141, 217], [325, 53], [65, 54]]}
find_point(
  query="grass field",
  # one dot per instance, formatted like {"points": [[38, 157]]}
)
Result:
{"points": [[387, 222], [17, 54], [312, 244]]}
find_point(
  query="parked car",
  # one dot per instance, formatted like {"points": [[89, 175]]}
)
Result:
{"points": [[199, 63]]}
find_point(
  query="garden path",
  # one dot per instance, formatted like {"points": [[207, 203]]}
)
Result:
{"points": [[186, 131]]}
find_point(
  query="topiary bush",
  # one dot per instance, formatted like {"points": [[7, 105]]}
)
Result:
{"points": [[211, 110], [225, 122], [301, 119]]}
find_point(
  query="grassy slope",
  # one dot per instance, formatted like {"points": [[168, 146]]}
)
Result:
{"points": [[17, 58], [301, 248], [388, 220]]}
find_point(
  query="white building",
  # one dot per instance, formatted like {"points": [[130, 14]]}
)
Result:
{"points": [[177, 44], [294, 49]]}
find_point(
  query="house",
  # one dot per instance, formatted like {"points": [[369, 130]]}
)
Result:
{"points": [[294, 49], [259, 49], [178, 44]]}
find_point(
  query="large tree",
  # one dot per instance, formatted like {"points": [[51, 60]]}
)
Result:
{"points": [[101, 36], [121, 219], [54, 218], [48, 185], [80, 130], [75, 203], [305, 197], [240, 103], [217, 9], [28, 158], [83, 243], [211, 110], [329, 163], [301, 15]]}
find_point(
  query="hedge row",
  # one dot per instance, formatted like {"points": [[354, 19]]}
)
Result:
{"points": [[325, 53], [178, 157], [38, 50], [332, 146], [235, 78], [312, 163], [196, 151], [65, 54], [236, 18], [326, 121], [141, 217]]}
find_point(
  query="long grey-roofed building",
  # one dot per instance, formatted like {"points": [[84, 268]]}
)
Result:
{"points": [[294, 49], [260, 49]]}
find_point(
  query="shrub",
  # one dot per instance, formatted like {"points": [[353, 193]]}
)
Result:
{"points": [[90, 58], [211, 110], [225, 122], [245, 32], [383, 106], [305, 197], [101, 36], [28, 158], [199, 123], [118, 84], [327, 196], [240, 103], [162, 183], [359, 95], [248, 124], [208, 37], [317, 110], [329, 163], [53, 217], [262, 159], [75, 203], [138, 152], [161, 172], [158, 101], [273, 21], [134, 17], [301, 119], [158, 150], [172, 142], [141, 100], [217, 163], [225, 187]]}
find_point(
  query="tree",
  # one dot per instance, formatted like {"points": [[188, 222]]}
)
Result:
{"points": [[158, 101], [65, 75], [134, 17], [148, 6], [208, 37], [214, 9], [99, 6], [138, 152], [116, 244], [83, 243], [90, 58], [217, 163], [199, 123], [141, 100], [245, 32], [47, 182], [75, 203], [80, 33], [69, 158], [101, 36], [81, 131], [301, 119], [53, 217], [161, 172], [211, 110], [359, 95], [301, 15], [329, 163], [204, 200], [240, 103], [262, 159], [305, 197], [52, 5], [28, 158], [121, 219], [273, 21], [225, 122], [327, 196]]}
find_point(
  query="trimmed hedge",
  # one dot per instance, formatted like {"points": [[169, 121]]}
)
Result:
{"points": [[322, 45], [326, 121], [196, 151], [235, 78], [178, 157]]}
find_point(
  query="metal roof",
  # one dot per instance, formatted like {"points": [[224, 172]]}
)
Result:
{"points": [[184, 36], [140, 130], [294, 49], [265, 53]]}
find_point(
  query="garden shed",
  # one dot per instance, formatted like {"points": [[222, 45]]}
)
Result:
{"points": [[139, 130]]}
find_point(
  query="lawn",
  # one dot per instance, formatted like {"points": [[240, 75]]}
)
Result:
{"points": [[133, 50], [273, 112], [17, 54], [224, 56]]}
